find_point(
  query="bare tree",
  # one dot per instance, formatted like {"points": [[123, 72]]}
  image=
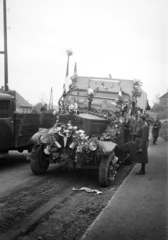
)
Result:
{"points": [[156, 106], [156, 99], [43, 98]]}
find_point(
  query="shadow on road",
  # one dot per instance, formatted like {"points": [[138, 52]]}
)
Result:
{"points": [[13, 160]]}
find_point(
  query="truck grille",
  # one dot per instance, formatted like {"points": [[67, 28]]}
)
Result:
{"points": [[75, 120]]}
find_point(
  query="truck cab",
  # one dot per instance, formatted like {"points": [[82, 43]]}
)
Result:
{"points": [[16, 128], [7, 108]]}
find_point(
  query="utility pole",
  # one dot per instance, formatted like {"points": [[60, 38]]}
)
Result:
{"points": [[5, 52]]}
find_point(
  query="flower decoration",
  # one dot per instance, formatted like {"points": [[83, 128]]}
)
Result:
{"points": [[72, 109], [79, 143], [73, 78], [71, 86], [73, 83], [114, 128], [61, 105], [90, 94]]}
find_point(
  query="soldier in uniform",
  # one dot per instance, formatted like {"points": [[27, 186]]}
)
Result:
{"points": [[155, 129], [138, 148]]}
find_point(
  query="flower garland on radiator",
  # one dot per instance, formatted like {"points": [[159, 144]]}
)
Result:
{"points": [[79, 143]]}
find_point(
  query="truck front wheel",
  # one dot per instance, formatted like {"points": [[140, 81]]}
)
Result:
{"points": [[107, 170], [38, 163]]}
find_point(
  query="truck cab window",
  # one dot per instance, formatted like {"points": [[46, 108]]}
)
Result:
{"points": [[4, 108]]}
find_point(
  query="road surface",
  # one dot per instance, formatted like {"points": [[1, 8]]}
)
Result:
{"points": [[45, 206]]}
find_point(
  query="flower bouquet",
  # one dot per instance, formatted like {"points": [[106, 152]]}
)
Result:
{"points": [[72, 109], [90, 94], [62, 142]]}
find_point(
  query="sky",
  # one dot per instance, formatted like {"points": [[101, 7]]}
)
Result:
{"points": [[125, 38]]}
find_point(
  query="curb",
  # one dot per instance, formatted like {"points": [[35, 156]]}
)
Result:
{"points": [[108, 204]]}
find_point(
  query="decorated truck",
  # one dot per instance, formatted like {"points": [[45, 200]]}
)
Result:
{"points": [[96, 116], [16, 129]]}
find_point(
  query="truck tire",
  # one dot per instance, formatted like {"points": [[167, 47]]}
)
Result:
{"points": [[37, 162], [106, 170]]}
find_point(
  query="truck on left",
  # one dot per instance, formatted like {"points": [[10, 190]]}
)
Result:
{"points": [[16, 129]]}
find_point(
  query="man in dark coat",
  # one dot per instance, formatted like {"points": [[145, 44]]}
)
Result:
{"points": [[155, 129], [138, 148], [44, 108]]}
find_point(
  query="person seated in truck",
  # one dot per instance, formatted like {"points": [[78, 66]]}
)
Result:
{"points": [[44, 108]]}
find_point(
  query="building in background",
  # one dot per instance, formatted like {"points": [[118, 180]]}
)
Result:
{"points": [[164, 100], [22, 106]]}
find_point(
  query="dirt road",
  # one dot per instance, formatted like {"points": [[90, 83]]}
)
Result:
{"points": [[46, 207]]}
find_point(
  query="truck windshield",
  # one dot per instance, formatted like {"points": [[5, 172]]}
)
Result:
{"points": [[4, 108]]}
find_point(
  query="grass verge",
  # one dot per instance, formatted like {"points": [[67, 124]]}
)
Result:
{"points": [[164, 131]]}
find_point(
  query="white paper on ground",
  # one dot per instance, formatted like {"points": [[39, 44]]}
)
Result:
{"points": [[87, 190]]}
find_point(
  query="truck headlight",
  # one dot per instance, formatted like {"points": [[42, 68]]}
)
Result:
{"points": [[92, 146]]}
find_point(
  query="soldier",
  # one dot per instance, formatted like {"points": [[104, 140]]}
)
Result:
{"points": [[138, 148], [155, 129], [148, 120]]}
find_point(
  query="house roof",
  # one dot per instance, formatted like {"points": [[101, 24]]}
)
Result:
{"points": [[21, 102], [164, 96]]}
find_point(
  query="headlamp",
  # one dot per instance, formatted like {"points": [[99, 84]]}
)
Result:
{"points": [[92, 146]]}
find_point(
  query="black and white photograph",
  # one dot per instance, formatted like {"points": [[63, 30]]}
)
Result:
{"points": [[83, 119]]}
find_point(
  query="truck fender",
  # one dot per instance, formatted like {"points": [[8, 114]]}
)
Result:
{"points": [[108, 147], [35, 137]]}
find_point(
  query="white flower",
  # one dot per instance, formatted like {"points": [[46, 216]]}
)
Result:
{"points": [[70, 82], [42, 139], [82, 135], [72, 145], [79, 149], [90, 91], [80, 131], [121, 120], [66, 131], [71, 107], [57, 144], [46, 150]]}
